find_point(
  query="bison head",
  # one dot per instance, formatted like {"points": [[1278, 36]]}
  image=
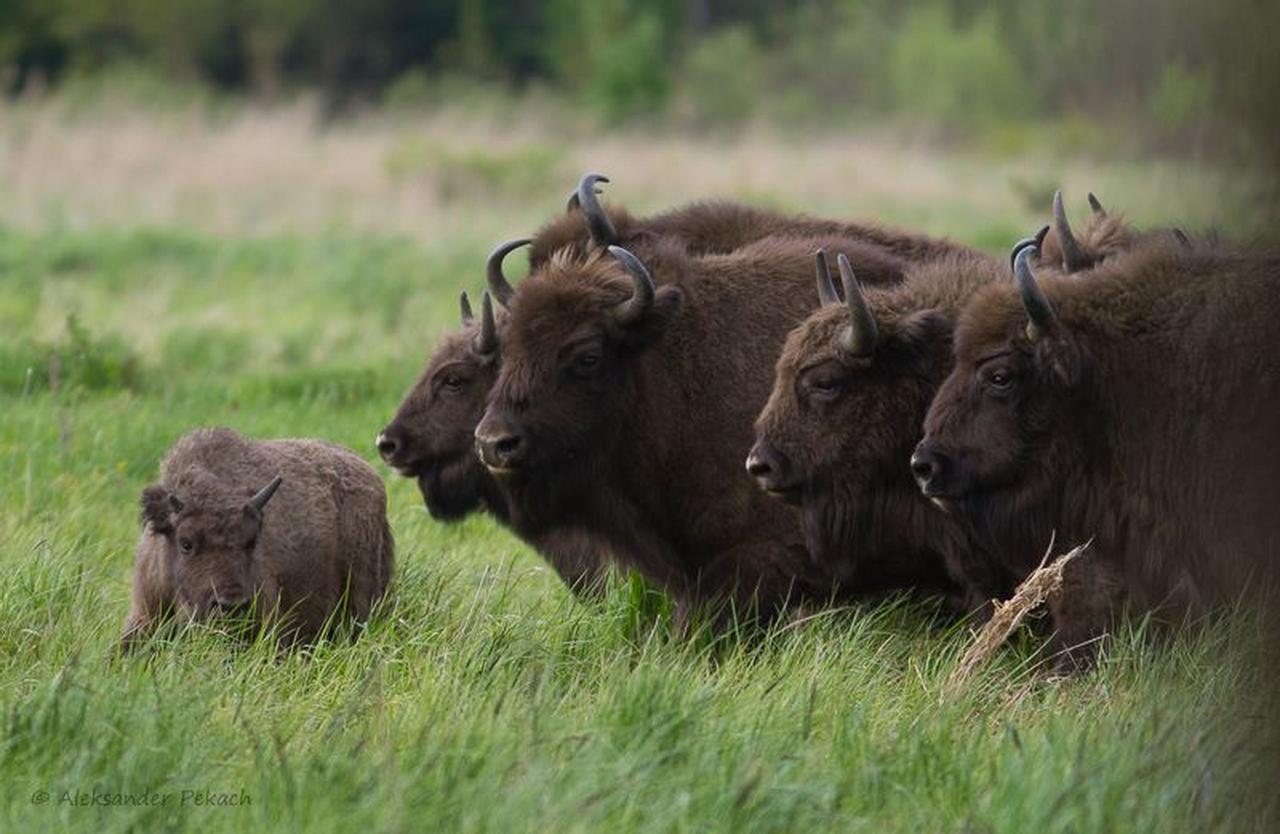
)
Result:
{"points": [[999, 432], [430, 438], [577, 326], [211, 537], [850, 391]]}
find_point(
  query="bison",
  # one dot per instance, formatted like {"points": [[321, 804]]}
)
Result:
{"points": [[622, 407], [431, 436], [291, 532], [850, 392], [1138, 407]]}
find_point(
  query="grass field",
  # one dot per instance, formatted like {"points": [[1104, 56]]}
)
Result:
{"points": [[160, 272]]}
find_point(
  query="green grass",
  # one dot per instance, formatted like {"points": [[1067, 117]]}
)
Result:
{"points": [[486, 698]]}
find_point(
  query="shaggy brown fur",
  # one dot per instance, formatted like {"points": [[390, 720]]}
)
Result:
{"points": [[431, 435], [320, 547], [636, 432], [837, 433], [1147, 417]]}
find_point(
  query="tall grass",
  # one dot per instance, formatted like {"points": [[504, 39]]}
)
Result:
{"points": [[229, 268]]}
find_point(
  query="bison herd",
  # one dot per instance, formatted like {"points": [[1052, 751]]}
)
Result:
{"points": [[913, 414]]}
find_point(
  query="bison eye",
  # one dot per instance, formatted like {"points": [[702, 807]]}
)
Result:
{"points": [[186, 546], [586, 364], [453, 382], [1000, 379]]}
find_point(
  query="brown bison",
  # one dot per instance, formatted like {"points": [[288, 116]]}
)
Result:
{"points": [[622, 407], [1105, 236], [292, 532], [431, 436], [850, 392], [1138, 406]]}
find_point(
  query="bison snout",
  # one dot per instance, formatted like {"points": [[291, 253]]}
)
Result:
{"points": [[500, 448], [771, 471], [930, 467], [388, 444]]}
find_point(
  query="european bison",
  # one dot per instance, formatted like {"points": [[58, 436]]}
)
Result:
{"points": [[622, 407], [1138, 406], [1106, 236], [850, 392], [292, 532], [431, 436]]}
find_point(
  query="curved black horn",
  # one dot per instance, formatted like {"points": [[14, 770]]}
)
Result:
{"points": [[1182, 237], [260, 500], [826, 288], [1094, 204], [1035, 241], [1038, 308], [598, 223], [1073, 257], [464, 304], [630, 311], [498, 284], [859, 338]]}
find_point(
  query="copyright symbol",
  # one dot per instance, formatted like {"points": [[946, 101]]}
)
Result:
{"points": [[40, 798]]}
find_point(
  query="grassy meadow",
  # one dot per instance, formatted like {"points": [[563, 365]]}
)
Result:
{"points": [[166, 270]]}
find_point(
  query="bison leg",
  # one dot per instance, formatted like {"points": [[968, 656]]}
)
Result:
{"points": [[1083, 612]]}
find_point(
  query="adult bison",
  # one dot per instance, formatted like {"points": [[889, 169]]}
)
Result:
{"points": [[622, 407], [1106, 235], [1138, 407], [850, 393], [431, 436], [293, 532]]}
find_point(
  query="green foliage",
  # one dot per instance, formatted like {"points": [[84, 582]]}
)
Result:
{"points": [[722, 76], [1182, 100], [959, 77], [629, 75]]}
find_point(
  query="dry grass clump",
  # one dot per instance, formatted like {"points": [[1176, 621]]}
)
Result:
{"points": [[1041, 585]]}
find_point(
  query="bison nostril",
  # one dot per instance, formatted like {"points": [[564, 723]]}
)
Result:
{"points": [[387, 446], [758, 467], [507, 447]]}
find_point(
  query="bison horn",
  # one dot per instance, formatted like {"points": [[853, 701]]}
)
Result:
{"points": [[598, 223], [487, 339], [1038, 308], [1073, 257], [630, 311], [498, 284], [826, 287], [1028, 241], [1182, 237], [465, 304], [1098, 210], [859, 338], [260, 500]]}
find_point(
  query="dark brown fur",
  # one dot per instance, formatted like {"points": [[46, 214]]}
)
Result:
{"points": [[837, 432], [1146, 419], [433, 428], [320, 548], [643, 448]]}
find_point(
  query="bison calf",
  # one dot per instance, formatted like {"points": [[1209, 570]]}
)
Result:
{"points": [[291, 532]]}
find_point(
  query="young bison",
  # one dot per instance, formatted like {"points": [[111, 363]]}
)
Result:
{"points": [[850, 393], [293, 532], [1136, 406]]}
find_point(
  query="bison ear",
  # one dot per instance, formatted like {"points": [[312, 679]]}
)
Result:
{"points": [[924, 328], [1061, 355], [159, 506], [654, 322]]}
